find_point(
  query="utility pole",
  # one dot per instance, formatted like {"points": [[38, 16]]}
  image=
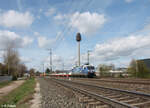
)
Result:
{"points": [[88, 58], [78, 39], [63, 66], [137, 70], [43, 70], [76, 63], [50, 58]]}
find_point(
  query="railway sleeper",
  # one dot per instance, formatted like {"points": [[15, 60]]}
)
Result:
{"points": [[145, 104], [90, 103], [121, 97], [137, 101], [115, 96], [124, 98], [87, 100], [96, 103], [130, 100], [97, 106], [111, 94]]}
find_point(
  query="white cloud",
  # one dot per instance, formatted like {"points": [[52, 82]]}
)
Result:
{"points": [[57, 59], [11, 38], [129, 1], [61, 17], [40, 10], [36, 33], [117, 48], [13, 18], [86, 23], [50, 12], [1, 54], [44, 42], [57, 62], [27, 41], [26, 59]]}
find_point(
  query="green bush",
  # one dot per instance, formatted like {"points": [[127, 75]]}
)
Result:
{"points": [[14, 78]]}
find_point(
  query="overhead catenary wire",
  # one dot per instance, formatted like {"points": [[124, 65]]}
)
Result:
{"points": [[68, 28]]}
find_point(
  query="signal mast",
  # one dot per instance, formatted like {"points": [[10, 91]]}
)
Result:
{"points": [[78, 39]]}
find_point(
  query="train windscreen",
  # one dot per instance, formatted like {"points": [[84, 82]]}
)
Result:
{"points": [[91, 67]]}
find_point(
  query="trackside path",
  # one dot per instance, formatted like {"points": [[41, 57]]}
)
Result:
{"points": [[7, 89], [36, 102]]}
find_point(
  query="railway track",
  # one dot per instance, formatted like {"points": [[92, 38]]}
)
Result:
{"points": [[108, 97], [124, 81]]}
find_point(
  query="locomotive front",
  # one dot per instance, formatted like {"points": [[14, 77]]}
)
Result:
{"points": [[89, 71]]}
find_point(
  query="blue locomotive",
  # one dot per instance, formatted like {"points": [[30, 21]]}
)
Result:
{"points": [[83, 71]]}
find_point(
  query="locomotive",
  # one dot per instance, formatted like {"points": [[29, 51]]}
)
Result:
{"points": [[83, 71], [78, 71]]}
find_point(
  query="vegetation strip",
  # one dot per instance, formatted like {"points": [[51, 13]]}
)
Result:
{"points": [[4, 83], [20, 95]]}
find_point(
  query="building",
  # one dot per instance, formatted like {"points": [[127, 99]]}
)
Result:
{"points": [[146, 62]]}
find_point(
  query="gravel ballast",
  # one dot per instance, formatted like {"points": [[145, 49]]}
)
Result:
{"points": [[57, 96]]}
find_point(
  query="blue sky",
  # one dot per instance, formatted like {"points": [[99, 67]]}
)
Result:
{"points": [[115, 31]]}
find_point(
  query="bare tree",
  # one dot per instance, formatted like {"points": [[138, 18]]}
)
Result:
{"points": [[11, 61], [32, 72], [22, 69]]}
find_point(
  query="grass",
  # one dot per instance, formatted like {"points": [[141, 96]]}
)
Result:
{"points": [[5, 83], [21, 95]]}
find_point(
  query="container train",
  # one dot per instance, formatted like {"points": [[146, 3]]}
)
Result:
{"points": [[79, 71]]}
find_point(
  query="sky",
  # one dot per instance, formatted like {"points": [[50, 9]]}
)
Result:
{"points": [[115, 31]]}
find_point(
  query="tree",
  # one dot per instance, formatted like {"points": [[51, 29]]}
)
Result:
{"points": [[138, 68], [132, 68], [22, 70], [104, 69], [2, 69], [12, 64], [47, 70], [12, 61], [143, 71], [32, 72], [37, 73]]}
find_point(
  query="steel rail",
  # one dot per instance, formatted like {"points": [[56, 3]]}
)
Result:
{"points": [[113, 89], [147, 82], [125, 82], [111, 102]]}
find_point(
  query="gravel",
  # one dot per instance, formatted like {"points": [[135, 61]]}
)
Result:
{"points": [[57, 96]]}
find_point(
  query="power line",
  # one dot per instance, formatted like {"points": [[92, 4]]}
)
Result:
{"points": [[63, 31], [68, 28]]}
